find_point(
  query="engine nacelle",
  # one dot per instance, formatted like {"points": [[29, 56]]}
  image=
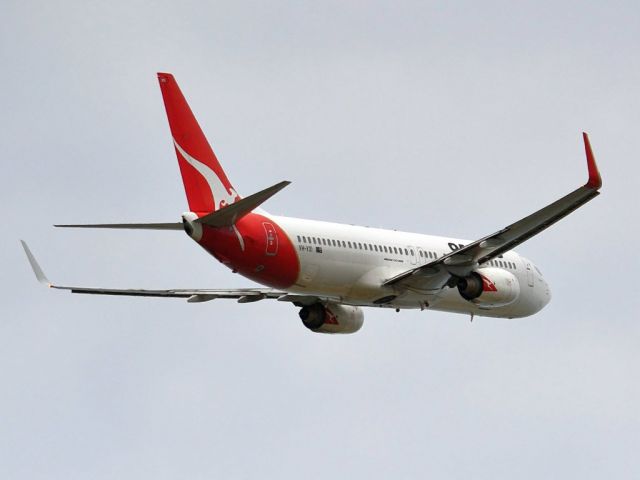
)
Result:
{"points": [[332, 318], [489, 287]]}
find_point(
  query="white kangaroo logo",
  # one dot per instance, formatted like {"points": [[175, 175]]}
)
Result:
{"points": [[221, 196]]}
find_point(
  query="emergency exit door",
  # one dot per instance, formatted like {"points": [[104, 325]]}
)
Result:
{"points": [[272, 239]]}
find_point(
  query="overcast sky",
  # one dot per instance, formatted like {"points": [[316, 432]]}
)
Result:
{"points": [[452, 118]]}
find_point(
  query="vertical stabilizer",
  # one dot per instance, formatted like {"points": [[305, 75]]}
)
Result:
{"points": [[207, 187]]}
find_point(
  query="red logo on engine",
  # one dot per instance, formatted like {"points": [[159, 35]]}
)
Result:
{"points": [[329, 317], [488, 285]]}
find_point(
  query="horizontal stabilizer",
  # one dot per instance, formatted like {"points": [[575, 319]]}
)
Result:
{"points": [[230, 214], [132, 226]]}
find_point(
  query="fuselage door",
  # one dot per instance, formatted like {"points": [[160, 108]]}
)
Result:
{"points": [[529, 275], [272, 239], [412, 255]]}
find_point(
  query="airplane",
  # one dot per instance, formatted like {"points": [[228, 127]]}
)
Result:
{"points": [[330, 271]]}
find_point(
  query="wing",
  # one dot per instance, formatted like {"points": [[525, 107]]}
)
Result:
{"points": [[461, 262], [195, 295]]}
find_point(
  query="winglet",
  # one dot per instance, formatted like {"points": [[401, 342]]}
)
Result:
{"points": [[34, 265], [595, 181]]}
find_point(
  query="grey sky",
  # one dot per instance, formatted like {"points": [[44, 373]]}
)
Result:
{"points": [[444, 118]]}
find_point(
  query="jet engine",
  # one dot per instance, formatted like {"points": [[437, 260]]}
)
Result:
{"points": [[332, 318], [489, 287]]}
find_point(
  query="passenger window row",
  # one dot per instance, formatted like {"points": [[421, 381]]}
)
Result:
{"points": [[363, 246], [503, 264], [427, 254]]}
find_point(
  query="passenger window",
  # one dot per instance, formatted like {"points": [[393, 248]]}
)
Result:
{"points": [[395, 249], [344, 245], [420, 252], [359, 245], [299, 240], [412, 254], [333, 242], [349, 243]]}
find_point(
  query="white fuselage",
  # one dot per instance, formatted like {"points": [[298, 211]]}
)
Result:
{"points": [[349, 263]]}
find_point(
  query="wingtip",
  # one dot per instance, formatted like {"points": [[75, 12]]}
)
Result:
{"points": [[37, 270], [595, 180]]}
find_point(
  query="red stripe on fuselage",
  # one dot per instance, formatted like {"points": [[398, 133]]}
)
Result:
{"points": [[257, 260]]}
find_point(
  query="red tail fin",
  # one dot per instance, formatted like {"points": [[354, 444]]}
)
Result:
{"points": [[207, 187]]}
